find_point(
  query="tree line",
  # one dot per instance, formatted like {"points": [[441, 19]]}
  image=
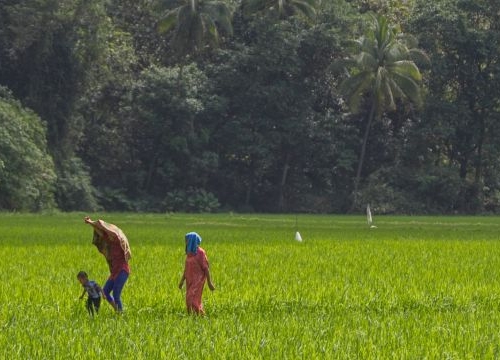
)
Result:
{"points": [[250, 105]]}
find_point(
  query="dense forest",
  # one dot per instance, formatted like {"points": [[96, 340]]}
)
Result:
{"points": [[250, 105]]}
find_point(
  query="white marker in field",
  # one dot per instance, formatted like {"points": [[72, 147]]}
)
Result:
{"points": [[297, 234], [369, 218]]}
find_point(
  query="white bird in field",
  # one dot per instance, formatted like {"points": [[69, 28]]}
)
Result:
{"points": [[369, 218], [298, 237]]}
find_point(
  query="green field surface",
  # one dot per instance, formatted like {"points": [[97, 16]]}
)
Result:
{"points": [[412, 288]]}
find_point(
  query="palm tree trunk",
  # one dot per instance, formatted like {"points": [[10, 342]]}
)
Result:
{"points": [[362, 155], [286, 167], [179, 77], [249, 185], [181, 92], [478, 178], [151, 169]]}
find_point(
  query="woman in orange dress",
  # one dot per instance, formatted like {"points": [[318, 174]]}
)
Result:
{"points": [[196, 272]]}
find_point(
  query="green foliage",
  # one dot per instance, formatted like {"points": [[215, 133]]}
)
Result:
{"points": [[195, 24], [463, 39], [50, 55], [401, 191], [168, 137], [261, 120], [157, 143], [382, 72], [266, 139], [57, 52], [383, 68], [192, 200], [281, 8], [394, 10], [74, 190], [27, 175], [115, 200], [137, 19]]}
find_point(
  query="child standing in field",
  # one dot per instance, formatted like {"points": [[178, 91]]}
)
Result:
{"points": [[93, 290], [196, 272], [113, 244]]}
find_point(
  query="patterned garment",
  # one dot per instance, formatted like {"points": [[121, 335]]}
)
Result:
{"points": [[113, 244], [195, 272], [92, 289], [118, 261]]}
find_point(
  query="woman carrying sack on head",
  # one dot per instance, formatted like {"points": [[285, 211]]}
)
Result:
{"points": [[113, 244]]}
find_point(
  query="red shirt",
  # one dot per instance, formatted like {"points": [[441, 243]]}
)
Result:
{"points": [[118, 262]]}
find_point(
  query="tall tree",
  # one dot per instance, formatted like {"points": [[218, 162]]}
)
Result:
{"points": [[27, 175], [464, 40], [382, 72], [195, 24], [263, 136], [51, 54], [138, 19]]}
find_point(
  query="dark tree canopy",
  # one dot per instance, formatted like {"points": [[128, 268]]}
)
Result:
{"points": [[27, 175], [250, 105]]}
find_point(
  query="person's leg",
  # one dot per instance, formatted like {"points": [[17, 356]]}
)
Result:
{"points": [[97, 304], [107, 288], [89, 306], [120, 281]]}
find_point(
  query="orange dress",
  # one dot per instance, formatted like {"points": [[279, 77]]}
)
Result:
{"points": [[195, 271]]}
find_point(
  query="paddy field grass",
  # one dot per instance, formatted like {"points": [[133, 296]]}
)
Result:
{"points": [[413, 288]]}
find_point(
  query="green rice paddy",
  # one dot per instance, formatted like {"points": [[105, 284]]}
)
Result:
{"points": [[413, 288]]}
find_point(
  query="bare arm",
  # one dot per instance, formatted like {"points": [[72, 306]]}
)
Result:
{"points": [[88, 220], [94, 224], [83, 294], [211, 285], [181, 283]]}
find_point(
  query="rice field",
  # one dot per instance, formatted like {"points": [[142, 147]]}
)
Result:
{"points": [[413, 288]]}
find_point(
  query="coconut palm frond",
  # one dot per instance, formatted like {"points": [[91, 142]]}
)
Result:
{"points": [[306, 7], [384, 71], [366, 60], [168, 22], [196, 23], [409, 88], [283, 8], [407, 68], [221, 15], [420, 57], [354, 86]]}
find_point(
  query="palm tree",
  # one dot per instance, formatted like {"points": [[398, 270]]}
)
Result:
{"points": [[195, 24], [284, 8], [383, 71]]}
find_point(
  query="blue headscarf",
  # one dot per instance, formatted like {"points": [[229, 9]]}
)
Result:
{"points": [[193, 241]]}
